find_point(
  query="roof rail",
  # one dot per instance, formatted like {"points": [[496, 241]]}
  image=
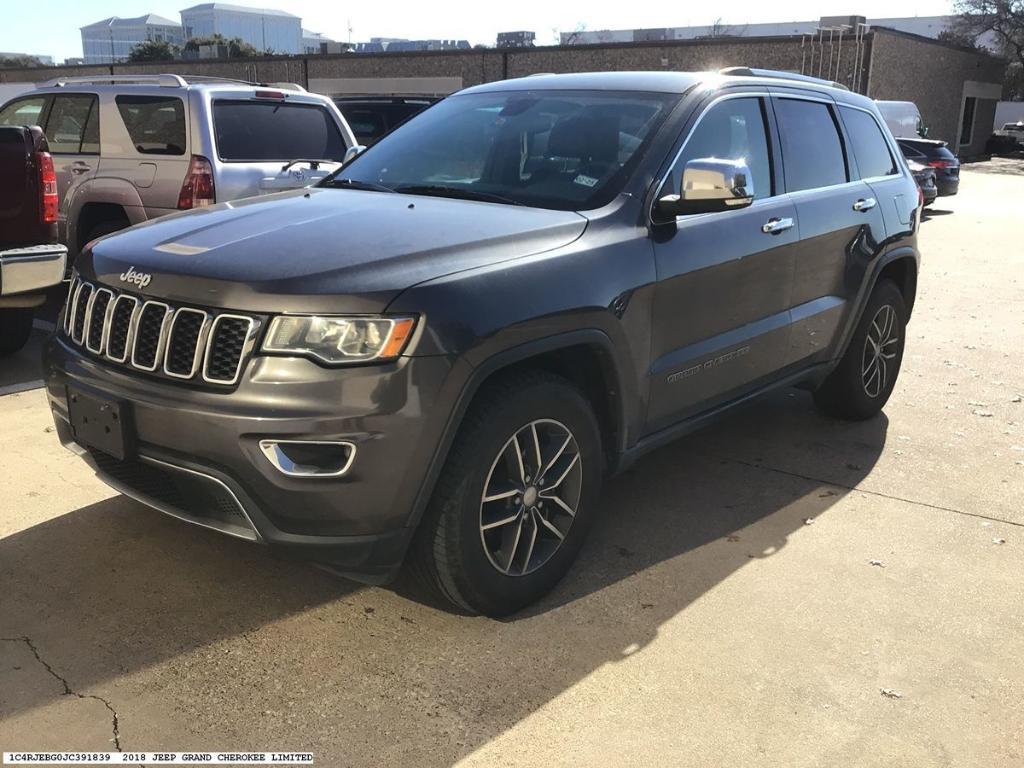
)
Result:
{"points": [[215, 79], [169, 81], [779, 74]]}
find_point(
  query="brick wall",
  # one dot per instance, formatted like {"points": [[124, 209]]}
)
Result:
{"points": [[894, 65], [910, 68]]}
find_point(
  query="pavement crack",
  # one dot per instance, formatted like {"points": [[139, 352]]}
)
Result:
{"points": [[879, 494], [68, 690]]}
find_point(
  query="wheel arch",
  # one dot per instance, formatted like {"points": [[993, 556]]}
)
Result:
{"points": [[902, 270], [586, 358]]}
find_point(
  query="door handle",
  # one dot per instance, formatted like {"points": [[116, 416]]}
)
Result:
{"points": [[865, 204], [79, 167], [775, 225]]}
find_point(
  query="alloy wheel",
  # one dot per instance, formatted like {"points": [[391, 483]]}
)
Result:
{"points": [[530, 497], [880, 348]]}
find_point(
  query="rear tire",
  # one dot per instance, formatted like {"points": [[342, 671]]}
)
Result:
{"points": [[15, 328], [105, 228], [497, 555], [861, 384]]}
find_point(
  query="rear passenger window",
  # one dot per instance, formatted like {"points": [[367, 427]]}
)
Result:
{"points": [[155, 124], [869, 144], [71, 128], [274, 131], [733, 129], [812, 152]]}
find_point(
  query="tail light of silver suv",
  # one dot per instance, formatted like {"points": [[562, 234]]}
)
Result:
{"points": [[197, 190]]}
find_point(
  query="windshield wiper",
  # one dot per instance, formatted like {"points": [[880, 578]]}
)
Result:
{"points": [[355, 184], [458, 193]]}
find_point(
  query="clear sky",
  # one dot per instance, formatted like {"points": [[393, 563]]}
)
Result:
{"points": [[51, 26]]}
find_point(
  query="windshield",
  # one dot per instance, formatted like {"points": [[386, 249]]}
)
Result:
{"points": [[565, 150]]}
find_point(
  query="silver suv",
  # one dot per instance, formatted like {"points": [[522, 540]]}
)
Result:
{"points": [[133, 147]]}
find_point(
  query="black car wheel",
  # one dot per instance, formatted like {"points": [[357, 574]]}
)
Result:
{"points": [[516, 497], [861, 384]]}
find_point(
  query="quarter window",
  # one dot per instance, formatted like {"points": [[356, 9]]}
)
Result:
{"points": [[156, 124], [23, 112], [733, 129], [812, 152], [869, 145]]}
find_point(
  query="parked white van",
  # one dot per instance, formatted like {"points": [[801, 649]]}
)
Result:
{"points": [[903, 119]]}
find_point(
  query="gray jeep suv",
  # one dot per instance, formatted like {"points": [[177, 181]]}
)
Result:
{"points": [[433, 356]]}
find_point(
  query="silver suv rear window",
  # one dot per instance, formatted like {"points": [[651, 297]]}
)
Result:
{"points": [[156, 124], [273, 131]]}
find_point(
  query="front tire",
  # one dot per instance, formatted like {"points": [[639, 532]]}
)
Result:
{"points": [[516, 498], [864, 379]]}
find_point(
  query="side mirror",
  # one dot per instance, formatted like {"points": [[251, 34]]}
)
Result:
{"points": [[353, 152], [708, 185]]}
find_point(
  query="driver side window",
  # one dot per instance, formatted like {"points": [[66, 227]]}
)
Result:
{"points": [[733, 129]]}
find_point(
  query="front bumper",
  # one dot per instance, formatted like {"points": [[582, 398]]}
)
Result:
{"points": [[24, 271], [196, 453]]}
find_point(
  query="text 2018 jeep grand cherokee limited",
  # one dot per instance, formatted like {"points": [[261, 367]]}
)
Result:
{"points": [[434, 355]]}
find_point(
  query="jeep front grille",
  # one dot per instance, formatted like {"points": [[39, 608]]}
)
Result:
{"points": [[184, 343]]}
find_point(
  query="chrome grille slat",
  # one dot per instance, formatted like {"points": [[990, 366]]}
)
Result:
{"points": [[114, 332], [98, 304], [84, 294], [184, 343], [142, 331], [212, 345], [173, 344], [69, 304]]}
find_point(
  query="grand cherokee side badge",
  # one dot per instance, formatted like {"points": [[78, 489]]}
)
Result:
{"points": [[140, 279], [712, 363]]}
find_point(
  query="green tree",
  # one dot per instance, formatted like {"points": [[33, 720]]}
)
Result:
{"points": [[237, 47], [20, 62], [154, 50]]}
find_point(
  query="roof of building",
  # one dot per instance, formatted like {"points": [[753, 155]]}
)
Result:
{"points": [[238, 9], [146, 19]]}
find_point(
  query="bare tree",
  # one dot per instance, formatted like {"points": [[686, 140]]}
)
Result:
{"points": [[1004, 21]]}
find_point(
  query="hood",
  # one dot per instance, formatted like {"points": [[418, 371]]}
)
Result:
{"points": [[329, 250]]}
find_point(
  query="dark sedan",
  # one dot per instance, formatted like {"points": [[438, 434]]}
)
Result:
{"points": [[925, 178], [934, 154]]}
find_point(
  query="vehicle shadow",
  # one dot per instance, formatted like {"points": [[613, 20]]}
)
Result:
{"points": [[929, 213], [113, 589], [25, 367]]}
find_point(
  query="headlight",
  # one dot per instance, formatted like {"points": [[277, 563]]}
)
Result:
{"points": [[339, 339]]}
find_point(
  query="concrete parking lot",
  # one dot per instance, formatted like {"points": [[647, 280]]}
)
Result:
{"points": [[777, 589]]}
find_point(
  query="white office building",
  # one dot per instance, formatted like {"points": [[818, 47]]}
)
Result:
{"points": [[263, 28], [112, 39]]}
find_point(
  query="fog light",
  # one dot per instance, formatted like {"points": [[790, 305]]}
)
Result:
{"points": [[309, 458]]}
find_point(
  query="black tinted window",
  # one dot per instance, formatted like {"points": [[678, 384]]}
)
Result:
{"points": [[812, 153], [70, 128], [275, 131], [930, 150], [731, 130], [156, 124], [869, 145]]}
